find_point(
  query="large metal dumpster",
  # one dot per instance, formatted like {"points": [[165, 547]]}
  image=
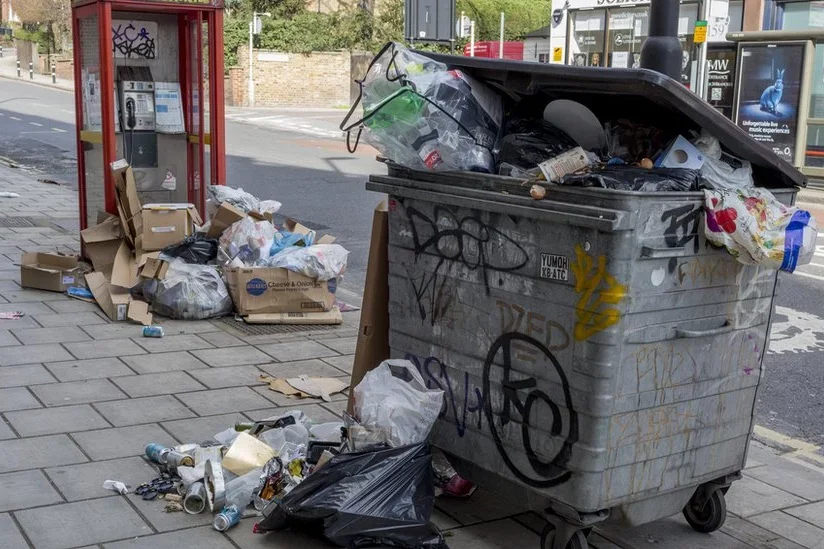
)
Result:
{"points": [[594, 349]]}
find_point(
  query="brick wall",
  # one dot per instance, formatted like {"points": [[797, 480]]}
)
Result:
{"points": [[318, 79]]}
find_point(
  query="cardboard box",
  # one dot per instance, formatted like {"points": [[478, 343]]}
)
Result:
{"points": [[167, 224], [151, 266], [101, 242], [257, 290], [373, 336], [225, 217], [116, 301], [325, 317], [51, 272]]}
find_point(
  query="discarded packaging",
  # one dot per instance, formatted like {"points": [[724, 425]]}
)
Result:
{"points": [[681, 154], [101, 242], [320, 261], [116, 486], [215, 484], [189, 292], [167, 224], [50, 272], [330, 317], [195, 500], [305, 386], [176, 459], [78, 292], [195, 248], [226, 216], [245, 454], [569, 162], [157, 453], [153, 331], [265, 290], [227, 518]]}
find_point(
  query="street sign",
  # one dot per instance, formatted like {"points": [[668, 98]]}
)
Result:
{"points": [[258, 26], [699, 35], [462, 26], [429, 20]]}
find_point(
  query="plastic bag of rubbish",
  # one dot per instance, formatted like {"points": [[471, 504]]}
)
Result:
{"points": [[757, 229], [628, 178], [241, 199], [380, 497], [189, 292], [424, 116], [528, 141], [248, 240], [722, 171], [321, 261], [394, 398], [196, 248]]}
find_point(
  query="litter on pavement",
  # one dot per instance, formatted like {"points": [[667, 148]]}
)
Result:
{"points": [[369, 475]]}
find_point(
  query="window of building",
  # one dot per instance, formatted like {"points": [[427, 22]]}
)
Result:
{"points": [[802, 15], [628, 28], [543, 58], [586, 40]]}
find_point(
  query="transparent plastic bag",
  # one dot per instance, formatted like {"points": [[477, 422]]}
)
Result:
{"points": [[242, 489], [722, 171], [424, 116], [248, 240], [757, 229], [218, 194], [189, 292], [321, 261], [394, 398], [285, 239]]}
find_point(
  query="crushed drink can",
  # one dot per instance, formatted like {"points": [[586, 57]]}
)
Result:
{"points": [[194, 502], [157, 453], [153, 331], [227, 518]]}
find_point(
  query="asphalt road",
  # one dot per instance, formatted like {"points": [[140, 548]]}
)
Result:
{"points": [[293, 157]]}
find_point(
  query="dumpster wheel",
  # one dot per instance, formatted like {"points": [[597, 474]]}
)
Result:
{"points": [[708, 516], [578, 541]]}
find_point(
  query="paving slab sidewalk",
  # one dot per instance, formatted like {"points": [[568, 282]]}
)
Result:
{"points": [[80, 397]]}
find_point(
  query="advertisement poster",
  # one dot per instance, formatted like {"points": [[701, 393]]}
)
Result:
{"points": [[769, 91], [721, 80]]}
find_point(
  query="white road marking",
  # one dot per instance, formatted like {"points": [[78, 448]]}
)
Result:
{"points": [[59, 130], [14, 118], [800, 333], [36, 124], [814, 277]]}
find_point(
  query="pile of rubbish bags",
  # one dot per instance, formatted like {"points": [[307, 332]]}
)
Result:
{"points": [[424, 115], [367, 480]]}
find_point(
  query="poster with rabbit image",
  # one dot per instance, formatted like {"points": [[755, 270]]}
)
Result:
{"points": [[769, 93]]}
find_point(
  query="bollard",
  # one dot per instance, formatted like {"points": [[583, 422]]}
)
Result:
{"points": [[54, 76], [31, 70], [1, 52], [18, 68]]}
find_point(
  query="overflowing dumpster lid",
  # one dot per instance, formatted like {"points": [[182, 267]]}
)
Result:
{"points": [[636, 94]]}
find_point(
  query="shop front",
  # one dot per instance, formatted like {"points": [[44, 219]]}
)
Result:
{"points": [[610, 33]]}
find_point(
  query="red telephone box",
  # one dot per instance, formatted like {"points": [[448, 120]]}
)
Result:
{"points": [[149, 89]]}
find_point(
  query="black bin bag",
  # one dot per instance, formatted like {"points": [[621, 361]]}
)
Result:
{"points": [[372, 498]]}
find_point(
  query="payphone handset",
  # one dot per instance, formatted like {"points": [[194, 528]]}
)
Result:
{"points": [[138, 104]]}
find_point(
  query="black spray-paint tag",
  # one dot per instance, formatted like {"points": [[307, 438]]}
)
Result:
{"points": [[554, 267]]}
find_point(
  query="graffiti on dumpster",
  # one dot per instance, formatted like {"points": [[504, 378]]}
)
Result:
{"points": [[464, 403], [597, 289], [134, 39], [467, 240], [683, 226], [545, 473], [515, 318], [434, 295]]}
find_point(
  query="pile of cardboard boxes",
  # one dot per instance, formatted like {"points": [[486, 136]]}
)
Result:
{"points": [[125, 250]]}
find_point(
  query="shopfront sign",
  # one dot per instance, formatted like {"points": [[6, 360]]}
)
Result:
{"points": [[769, 92], [721, 80]]}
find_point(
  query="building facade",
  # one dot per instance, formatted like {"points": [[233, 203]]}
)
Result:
{"points": [[609, 33]]}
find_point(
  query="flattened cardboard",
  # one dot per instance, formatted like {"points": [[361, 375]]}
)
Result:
{"points": [[50, 272], [373, 336], [151, 266], [257, 290], [138, 311], [113, 300], [128, 203], [166, 224], [124, 269], [226, 216], [325, 317], [101, 242], [293, 226]]}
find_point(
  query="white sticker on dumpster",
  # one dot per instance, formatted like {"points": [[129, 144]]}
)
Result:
{"points": [[554, 267]]}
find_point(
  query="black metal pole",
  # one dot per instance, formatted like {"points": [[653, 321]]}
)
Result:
{"points": [[662, 50]]}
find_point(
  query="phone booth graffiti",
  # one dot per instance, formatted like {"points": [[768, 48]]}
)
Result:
{"points": [[148, 89]]}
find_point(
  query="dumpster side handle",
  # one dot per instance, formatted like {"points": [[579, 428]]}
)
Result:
{"points": [[658, 253], [725, 329]]}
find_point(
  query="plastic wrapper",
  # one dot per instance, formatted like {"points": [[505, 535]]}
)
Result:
{"points": [[393, 398], [285, 239], [321, 261], [196, 248], [241, 199], [372, 498], [424, 116], [757, 229], [248, 240], [628, 178], [528, 142], [241, 490], [189, 292], [722, 171]]}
